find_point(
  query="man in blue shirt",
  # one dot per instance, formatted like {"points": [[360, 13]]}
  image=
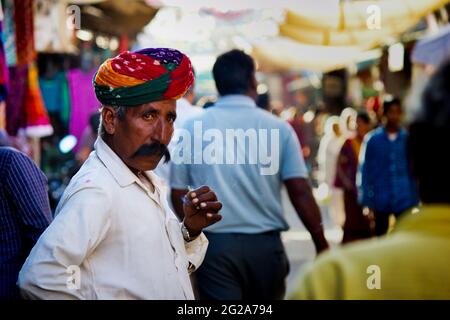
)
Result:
{"points": [[386, 185], [245, 154], [24, 214]]}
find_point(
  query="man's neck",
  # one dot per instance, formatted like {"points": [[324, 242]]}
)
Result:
{"points": [[247, 95], [392, 129]]}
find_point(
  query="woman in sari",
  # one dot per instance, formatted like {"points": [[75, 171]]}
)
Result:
{"points": [[357, 225]]}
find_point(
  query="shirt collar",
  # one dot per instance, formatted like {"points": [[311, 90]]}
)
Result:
{"points": [[118, 169], [235, 100], [401, 132]]}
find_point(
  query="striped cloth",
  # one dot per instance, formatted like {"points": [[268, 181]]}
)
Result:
{"points": [[24, 215]]}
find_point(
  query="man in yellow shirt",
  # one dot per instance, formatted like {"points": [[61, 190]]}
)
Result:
{"points": [[413, 261]]}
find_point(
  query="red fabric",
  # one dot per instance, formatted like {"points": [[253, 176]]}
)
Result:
{"points": [[124, 43], [24, 27], [35, 111], [137, 66], [182, 78]]}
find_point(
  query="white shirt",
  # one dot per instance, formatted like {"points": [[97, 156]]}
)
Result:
{"points": [[125, 240], [185, 111]]}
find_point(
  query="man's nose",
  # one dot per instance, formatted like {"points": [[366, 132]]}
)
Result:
{"points": [[163, 132]]}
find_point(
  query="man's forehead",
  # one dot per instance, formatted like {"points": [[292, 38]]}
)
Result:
{"points": [[163, 105]]}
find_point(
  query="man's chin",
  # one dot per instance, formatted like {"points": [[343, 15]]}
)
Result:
{"points": [[150, 163]]}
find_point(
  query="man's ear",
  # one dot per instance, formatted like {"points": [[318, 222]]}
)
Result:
{"points": [[109, 120]]}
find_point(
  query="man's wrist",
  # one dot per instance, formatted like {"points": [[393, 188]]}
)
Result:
{"points": [[189, 234]]}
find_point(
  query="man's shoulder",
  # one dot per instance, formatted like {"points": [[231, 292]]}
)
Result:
{"points": [[266, 120], [375, 136], [13, 157], [92, 174], [376, 133], [13, 154], [361, 254]]}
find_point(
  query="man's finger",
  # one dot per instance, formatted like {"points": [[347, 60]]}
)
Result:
{"points": [[209, 196], [209, 206], [212, 218], [199, 191]]}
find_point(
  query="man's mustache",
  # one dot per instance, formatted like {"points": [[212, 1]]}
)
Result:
{"points": [[154, 149]]}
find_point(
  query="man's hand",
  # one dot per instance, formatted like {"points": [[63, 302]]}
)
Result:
{"points": [[201, 209]]}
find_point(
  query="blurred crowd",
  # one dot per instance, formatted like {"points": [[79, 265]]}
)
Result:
{"points": [[361, 162]]}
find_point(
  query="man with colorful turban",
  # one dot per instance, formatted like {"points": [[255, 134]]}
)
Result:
{"points": [[114, 235]]}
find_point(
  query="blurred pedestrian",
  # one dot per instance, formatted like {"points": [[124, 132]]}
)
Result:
{"points": [[386, 186], [24, 215], [114, 235], [412, 261], [347, 121], [246, 257], [327, 156], [298, 124], [357, 225]]}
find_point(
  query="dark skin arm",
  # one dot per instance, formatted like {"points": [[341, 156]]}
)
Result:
{"points": [[302, 199]]}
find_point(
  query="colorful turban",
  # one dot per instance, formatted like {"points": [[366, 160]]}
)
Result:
{"points": [[147, 75]]}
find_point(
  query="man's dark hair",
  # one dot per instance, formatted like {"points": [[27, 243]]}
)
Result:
{"points": [[389, 102], [364, 116], [427, 142], [233, 72]]}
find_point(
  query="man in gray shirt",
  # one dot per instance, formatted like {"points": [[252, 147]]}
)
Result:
{"points": [[245, 154]]}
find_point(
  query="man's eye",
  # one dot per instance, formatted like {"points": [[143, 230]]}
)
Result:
{"points": [[171, 119], [149, 116]]}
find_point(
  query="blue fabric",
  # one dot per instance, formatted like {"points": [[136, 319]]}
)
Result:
{"points": [[251, 200], [24, 215], [384, 179], [52, 92], [434, 49]]}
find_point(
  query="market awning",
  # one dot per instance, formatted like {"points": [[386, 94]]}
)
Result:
{"points": [[282, 54], [433, 50], [115, 17], [345, 24]]}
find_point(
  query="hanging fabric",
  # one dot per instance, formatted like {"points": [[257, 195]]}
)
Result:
{"points": [[37, 120], [55, 93], [9, 33], [82, 101], [15, 116], [24, 29]]}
